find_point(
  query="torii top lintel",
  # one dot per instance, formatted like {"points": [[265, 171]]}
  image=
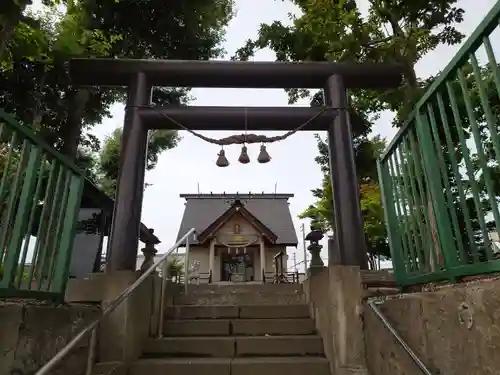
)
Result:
{"points": [[234, 74]]}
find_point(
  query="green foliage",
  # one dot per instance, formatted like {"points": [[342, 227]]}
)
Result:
{"points": [[109, 158], [35, 85], [337, 31], [321, 212], [34, 80], [174, 267], [151, 28], [36, 89], [159, 141], [469, 219], [399, 31], [479, 170]]}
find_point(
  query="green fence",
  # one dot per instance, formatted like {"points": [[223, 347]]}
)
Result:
{"points": [[40, 194], [440, 176]]}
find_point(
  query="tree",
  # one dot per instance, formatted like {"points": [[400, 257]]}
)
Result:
{"points": [[35, 50], [125, 28], [321, 212], [473, 214], [178, 31], [35, 86], [34, 82], [182, 30], [107, 163], [174, 268], [391, 31], [11, 15], [337, 31], [109, 158]]}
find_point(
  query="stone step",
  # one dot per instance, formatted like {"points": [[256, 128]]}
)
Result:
{"points": [[235, 312], [280, 366], [198, 327], [279, 346], [109, 368], [233, 346], [240, 327], [244, 289], [228, 366], [256, 327], [214, 347], [256, 298]]}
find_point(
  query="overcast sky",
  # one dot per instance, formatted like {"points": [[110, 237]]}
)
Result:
{"points": [[292, 169]]}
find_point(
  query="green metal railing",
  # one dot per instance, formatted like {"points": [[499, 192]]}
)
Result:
{"points": [[440, 176], [40, 194]]}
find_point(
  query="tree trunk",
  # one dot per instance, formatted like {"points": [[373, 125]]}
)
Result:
{"points": [[411, 79], [412, 83], [6, 34], [72, 130], [77, 100], [11, 19], [33, 116]]}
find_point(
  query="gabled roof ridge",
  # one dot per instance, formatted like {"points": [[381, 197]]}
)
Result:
{"points": [[238, 195], [236, 207], [272, 213]]}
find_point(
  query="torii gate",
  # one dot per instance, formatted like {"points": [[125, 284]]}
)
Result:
{"points": [[141, 75]]}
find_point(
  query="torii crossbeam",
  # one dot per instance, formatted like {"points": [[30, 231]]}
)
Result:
{"points": [[141, 75]]}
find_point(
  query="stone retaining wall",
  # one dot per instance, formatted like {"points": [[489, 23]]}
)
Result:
{"points": [[31, 334], [455, 330]]}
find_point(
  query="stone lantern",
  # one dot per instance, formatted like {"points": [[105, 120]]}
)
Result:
{"points": [[149, 252], [316, 263]]}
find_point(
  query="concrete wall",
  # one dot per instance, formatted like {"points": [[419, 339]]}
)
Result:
{"points": [[123, 332], [455, 330], [32, 333], [334, 294]]}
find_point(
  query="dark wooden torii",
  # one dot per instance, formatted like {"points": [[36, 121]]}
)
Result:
{"points": [[141, 75]]}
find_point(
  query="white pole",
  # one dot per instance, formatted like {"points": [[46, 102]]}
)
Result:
{"points": [[186, 267], [304, 246]]}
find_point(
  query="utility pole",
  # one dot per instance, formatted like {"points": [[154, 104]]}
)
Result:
{"points": [[302, 228]]}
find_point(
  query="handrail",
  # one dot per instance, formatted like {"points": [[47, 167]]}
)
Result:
{"points": [[117, 301], [401, 341]]}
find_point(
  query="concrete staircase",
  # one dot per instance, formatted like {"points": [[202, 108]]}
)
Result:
{"points": [[236, 330]]}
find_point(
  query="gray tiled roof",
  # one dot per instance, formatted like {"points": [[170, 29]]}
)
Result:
{"points": [[271, 209]]}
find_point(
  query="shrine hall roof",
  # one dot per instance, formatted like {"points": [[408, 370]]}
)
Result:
{"points": [[270, 209]]}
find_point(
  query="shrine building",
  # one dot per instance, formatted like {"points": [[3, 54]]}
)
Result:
{"points": [[237, 235]]}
